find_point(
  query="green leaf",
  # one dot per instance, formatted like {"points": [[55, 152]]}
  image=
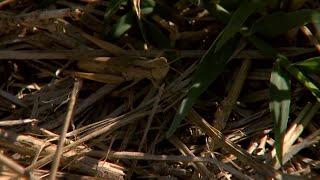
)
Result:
{"points": [[214, 61], [147, 6], [215, 9], [302, 78], [310, 65], [238, 18], [266, 48], [285, 63], [280, 22], [123, 25], [148, 3], [279, 84], [220, 13], [212, 64], [155, 35], [279, 105], [113, 8]]}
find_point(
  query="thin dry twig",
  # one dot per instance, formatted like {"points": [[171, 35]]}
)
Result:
{"points": [[51, 45], [186, 152], [241, 154], [69, 116], [308, 141], [109, 128], [223, 112], [94, 97], [29, 19], [29, 145], [17, 122], [111, 48], [90, 54], [6, 2], [150, 118], [296, 129], [310, 36], [12, 164], [146, 156]]}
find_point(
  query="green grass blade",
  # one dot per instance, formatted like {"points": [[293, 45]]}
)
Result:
{"points": [[280, 22], [113, 8], [279, 116], [212, 64], [147, 6], [216, 10], [302, 78], [123, 25], [279, 104], [285, 63], [266, 48], [214, 61], [311, 65], [237, 20]]}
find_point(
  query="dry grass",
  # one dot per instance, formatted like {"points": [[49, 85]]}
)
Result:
{"points": [[113, 125]]}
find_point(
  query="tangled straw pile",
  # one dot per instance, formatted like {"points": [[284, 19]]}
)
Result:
{"points": [[79, 103]]}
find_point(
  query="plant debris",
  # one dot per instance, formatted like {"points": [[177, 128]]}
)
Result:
{"points": [[90, 89]]}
